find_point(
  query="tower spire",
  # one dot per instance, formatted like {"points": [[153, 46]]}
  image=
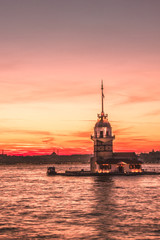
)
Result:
{"points": [[102, 115], [102, 97]]}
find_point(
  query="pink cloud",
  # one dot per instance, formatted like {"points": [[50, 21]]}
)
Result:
{"points": [[79, 142], [44, 90], [48, 140], [138, 144], [140, 99], [23, 131], [85, 134], [153, 113], [123, 131]]}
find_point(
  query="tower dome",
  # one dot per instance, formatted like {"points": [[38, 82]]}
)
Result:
{"points": [[104, 123], [102, 129]]}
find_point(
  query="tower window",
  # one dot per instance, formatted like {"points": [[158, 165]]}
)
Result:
{"points": [[101, 134]]}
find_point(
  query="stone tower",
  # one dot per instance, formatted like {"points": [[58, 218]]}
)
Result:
{"points": [[102, 138]]}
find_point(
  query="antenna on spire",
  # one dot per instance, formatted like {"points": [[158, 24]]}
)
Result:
{"points": [[102, 96]]}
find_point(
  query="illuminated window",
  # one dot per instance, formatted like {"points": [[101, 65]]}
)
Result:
{"points": [[131, 166], [105, 166]]}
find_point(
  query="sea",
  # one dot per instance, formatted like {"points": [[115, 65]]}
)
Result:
{"points": [[36, 206]]}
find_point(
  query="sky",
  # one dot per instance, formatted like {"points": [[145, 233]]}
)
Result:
{"points": [[53, 55]]}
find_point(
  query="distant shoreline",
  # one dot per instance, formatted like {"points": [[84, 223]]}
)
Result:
{"points": [[45, 159], [147, 158]]}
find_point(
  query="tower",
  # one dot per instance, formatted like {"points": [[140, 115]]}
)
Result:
{"points": [[102, 138]]}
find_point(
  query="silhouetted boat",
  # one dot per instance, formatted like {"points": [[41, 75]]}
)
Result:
{"points": [[51, 171]]}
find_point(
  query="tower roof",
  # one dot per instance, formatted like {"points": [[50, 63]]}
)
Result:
{"points": [[102, 123]]}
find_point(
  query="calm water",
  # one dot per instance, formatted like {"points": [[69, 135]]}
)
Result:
{"points": [[35, 206]]}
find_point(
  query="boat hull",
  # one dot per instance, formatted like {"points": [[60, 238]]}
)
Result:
{"points": [[88, 173]]}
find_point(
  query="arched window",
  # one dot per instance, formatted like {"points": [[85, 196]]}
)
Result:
{"points": [[101, 134]]}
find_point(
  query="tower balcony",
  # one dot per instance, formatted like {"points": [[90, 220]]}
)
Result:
{"points": [[103, 139]]}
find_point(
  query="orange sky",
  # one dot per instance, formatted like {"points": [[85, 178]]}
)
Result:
{"points": [[53, 55]]}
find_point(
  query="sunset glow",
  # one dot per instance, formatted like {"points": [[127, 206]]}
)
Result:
{"points": [[53, 57]]}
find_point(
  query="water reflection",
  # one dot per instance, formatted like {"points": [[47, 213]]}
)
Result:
{"points": [[104, 207]]}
